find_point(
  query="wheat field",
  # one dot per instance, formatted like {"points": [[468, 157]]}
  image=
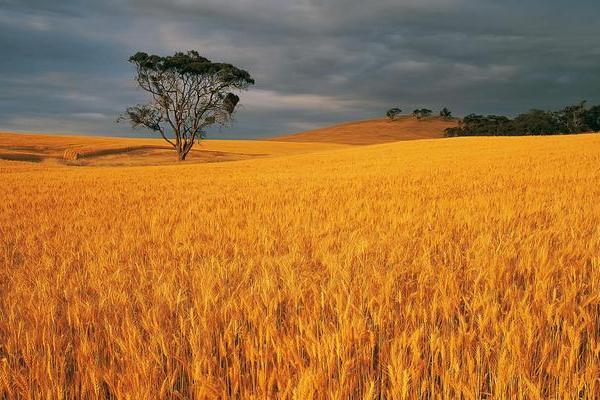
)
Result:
{"points": [[464, 268], [113, 151]]}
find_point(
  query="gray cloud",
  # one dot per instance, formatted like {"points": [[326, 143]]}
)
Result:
{"points": [[315, 61]]}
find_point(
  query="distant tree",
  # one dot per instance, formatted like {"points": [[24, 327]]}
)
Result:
{"points": [[454, 131], [445, 113], [422, 113], [572, 118], [537, 122], [479, 125], [592, 118], [393, 113], [188, 93]]}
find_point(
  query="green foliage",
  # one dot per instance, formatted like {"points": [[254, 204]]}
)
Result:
{"points": [[535, 122], [230, 102], [393, 113], [143, 115], [422, 113], [572, 119], [188, 94], [445, 113], [191, 64], [592, 118]]}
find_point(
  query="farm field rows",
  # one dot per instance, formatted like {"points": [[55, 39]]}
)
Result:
{"points": [[449, 268]]}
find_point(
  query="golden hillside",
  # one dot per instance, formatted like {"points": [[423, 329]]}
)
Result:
{"points": [[111, 151], [375, 131], [459, 268]]}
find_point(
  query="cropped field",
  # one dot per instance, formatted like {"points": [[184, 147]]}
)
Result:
{"points": [[437, 269]]}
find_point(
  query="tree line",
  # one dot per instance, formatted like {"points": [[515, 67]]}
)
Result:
{"points": [[577, 118], [419, 113]]}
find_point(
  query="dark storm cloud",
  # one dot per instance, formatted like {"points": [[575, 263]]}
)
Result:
{"points": [[64, 66]]}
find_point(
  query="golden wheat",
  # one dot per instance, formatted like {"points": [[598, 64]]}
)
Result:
{"points": [[461, 268]]}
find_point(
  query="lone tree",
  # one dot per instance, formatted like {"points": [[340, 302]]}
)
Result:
{"points": [[189, 93], [422, 113], [393, 113], [446, 113]]}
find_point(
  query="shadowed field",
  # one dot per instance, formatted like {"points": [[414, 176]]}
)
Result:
{"points": [[106, 151], [456, 268], [375, 131]]}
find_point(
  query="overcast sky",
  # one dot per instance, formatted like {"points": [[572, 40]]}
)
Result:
{"points": [[64, 69]]}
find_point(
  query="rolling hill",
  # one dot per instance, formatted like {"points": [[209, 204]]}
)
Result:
{"points": [[111, 151], [115, 151], [374, 131]]}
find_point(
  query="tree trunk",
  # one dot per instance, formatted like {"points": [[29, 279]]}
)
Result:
{"points": [[185, 149]]}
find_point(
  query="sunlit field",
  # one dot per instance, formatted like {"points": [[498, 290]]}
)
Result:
{"points": [[376, 131], [436, 269], [111, 151]]}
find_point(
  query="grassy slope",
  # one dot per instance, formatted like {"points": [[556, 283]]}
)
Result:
{"points": [[374, 131], [455, 268], [110, 151]]}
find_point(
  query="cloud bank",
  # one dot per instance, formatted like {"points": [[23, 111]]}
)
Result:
{"points": [[316, 62]]}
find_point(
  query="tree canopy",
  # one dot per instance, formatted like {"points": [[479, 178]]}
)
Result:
{"points": [[188, 94], [393, 113], [445, 113], [571, 119], [422, 113]]}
